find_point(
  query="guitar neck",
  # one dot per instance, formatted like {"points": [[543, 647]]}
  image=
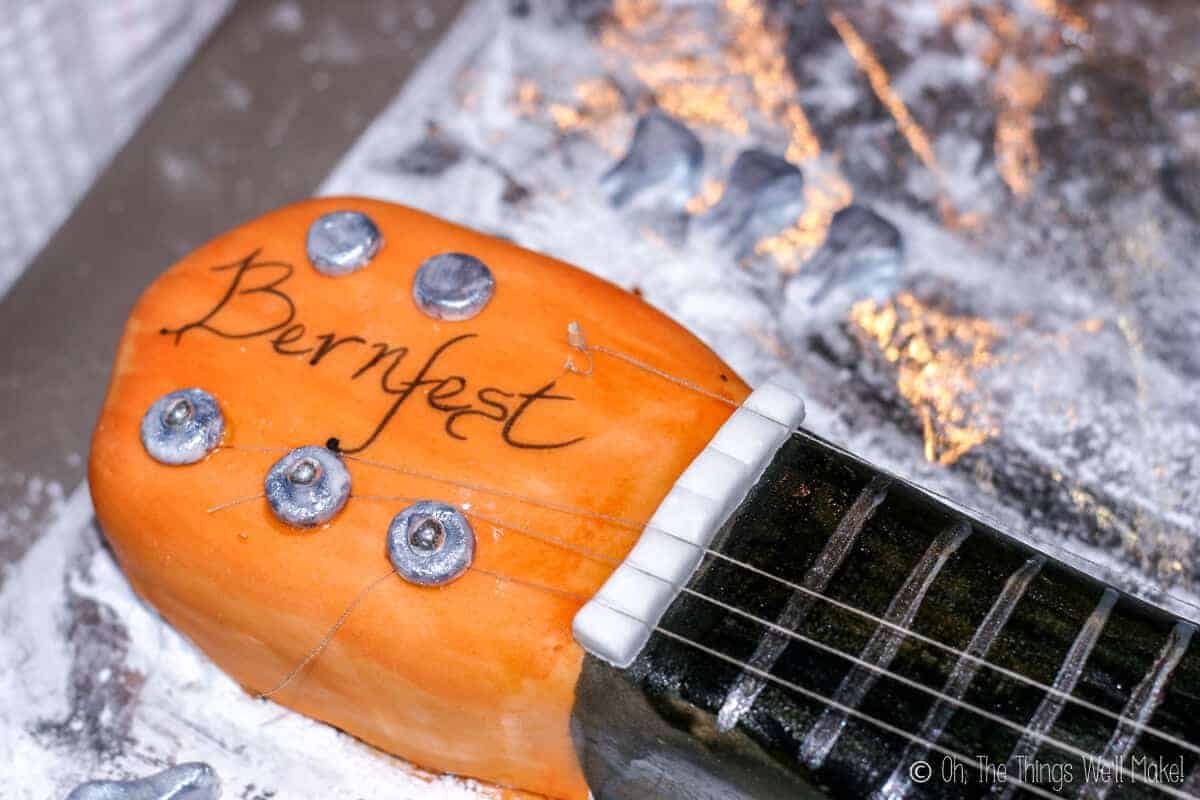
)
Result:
{"points": [[844, 626]]}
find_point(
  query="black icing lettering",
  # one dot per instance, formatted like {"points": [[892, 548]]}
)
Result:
{"points": [[445, 390], [405, 390], [495, 411], [382, 351], [331, 342], [451, 395], [290, 335], [522, 408], [210, 321]]}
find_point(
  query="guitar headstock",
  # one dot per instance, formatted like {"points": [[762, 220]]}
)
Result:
{"points": [[540, 411]]}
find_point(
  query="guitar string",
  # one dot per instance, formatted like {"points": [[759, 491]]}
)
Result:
{"points": [[586, 513], [796, 587], [320, 646], [235, 502], [576, 340], [316, 650], [484, 489], [628, 524], [563, 508], [797, 636]]}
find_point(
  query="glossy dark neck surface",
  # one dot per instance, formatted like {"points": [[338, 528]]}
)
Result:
{"points": [[682, 722]]}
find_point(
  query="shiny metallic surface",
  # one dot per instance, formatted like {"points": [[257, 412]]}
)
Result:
{"points": [[427, 537], [191, 781], [763, 194], [305, 472], [430, 543], [182, 427], [342, 241], [453, 286], [179, 412], [664, 159], [307, 487]]}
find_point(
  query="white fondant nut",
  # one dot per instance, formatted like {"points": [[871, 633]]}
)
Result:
{"points": [[616, 624]]}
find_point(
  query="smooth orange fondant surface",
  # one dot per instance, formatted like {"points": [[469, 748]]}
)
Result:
{"points": [[477, 677]]}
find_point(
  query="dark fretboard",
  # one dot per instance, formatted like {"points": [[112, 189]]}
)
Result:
{"points": [[784, 669]]}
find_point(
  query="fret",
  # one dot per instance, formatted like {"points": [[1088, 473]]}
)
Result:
{"points": [[741, 697], [899, 783], [1068, 675], [1142, 704], [883, 645]]}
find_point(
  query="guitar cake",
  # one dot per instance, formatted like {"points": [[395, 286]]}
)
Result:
{"points": [[494, 515]]}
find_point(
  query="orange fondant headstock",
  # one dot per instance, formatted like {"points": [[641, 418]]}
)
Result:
{"points": [[554, 451]]}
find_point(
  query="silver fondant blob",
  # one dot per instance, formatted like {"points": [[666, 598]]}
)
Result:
{"points": [[763, 195], [307, 487], [861, 257], [662, 164], [453, 286], [342, 241], [191, 781], [430, 543], [182, 427]]}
